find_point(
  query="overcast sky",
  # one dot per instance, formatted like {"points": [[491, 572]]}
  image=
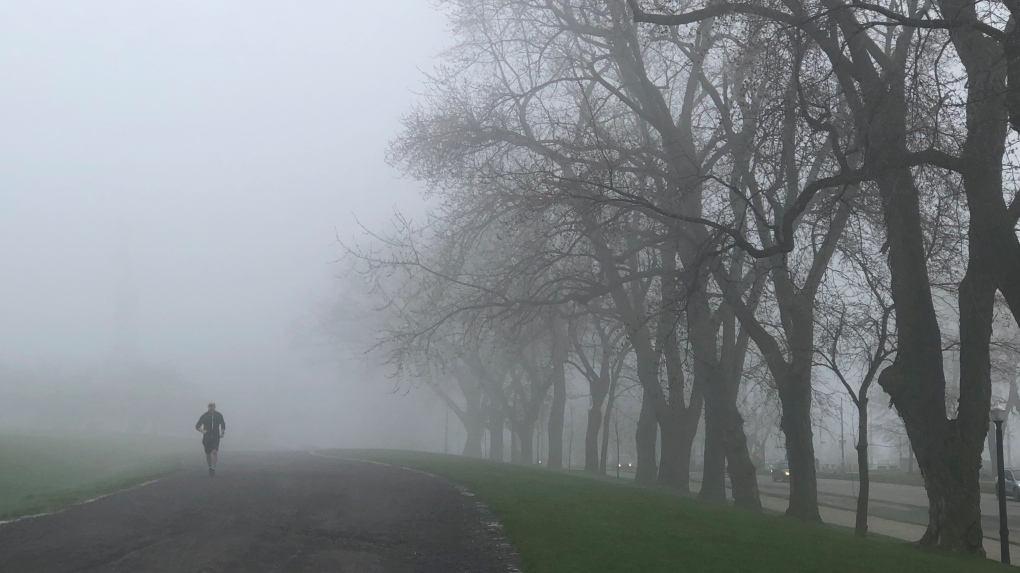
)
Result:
{"points": [[192, 161]]}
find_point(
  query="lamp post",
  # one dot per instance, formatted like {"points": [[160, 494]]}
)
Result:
{"points": [[998, 416]]}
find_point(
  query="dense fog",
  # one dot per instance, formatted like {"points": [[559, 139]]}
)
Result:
{"points": [[258, 204], [173, 181]]}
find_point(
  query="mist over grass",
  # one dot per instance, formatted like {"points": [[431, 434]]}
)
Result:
{"points": [[42, 473]]}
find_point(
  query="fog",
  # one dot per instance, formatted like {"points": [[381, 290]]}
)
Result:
{"points": [[181, 192], [173, 180]]}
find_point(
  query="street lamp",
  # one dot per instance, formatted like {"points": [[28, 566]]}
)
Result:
{"points": [[998, 416]]}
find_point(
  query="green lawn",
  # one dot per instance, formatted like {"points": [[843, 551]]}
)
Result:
{"points": [[42, 473], [565, 523]]}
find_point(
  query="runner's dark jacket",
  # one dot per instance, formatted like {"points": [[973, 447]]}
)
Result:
{"points": [[211, 421]]}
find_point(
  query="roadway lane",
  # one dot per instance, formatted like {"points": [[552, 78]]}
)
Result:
{"points": [[267, 512], [907, 503]]}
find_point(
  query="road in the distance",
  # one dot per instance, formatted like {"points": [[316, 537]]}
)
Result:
{"points": [[267, 512], [899, 502]]}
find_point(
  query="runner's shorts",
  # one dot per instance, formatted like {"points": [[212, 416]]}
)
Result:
{"points": [[211, 443]]}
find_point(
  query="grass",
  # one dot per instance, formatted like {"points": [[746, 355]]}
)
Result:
{"points": [[43, 473], [564, 523]]}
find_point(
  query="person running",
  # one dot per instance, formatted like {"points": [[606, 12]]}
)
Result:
{"points": [[212, 427]]}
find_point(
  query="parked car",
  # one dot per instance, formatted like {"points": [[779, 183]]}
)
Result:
{"points": [[781, 472], [1012, 479]]}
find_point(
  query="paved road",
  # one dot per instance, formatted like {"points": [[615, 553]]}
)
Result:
{"points": [[267, 512], [907, 503]]}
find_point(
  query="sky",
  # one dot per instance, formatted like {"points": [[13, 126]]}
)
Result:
{"points": [[173, 178]]}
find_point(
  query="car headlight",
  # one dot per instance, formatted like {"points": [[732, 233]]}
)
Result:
{"points": [[786, 473]]}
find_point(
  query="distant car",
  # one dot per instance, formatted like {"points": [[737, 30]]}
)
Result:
{"points": [[1012, 479], [625, 465], [781, 472]]}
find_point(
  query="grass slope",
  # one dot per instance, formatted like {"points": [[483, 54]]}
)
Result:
{"points": [[562, 523], [42, 473]]}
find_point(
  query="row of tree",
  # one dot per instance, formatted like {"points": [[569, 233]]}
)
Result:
{"points": [[709, 198]]}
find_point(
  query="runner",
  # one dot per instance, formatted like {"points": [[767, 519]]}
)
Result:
{"points": [[213, 428]]}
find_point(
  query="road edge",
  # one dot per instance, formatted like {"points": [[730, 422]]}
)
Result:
{"points": [[489, 523]]}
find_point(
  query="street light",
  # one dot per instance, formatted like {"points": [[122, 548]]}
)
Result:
{"points": [[998, 416]]}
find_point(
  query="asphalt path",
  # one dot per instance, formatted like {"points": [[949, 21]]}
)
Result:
{"points": [[268, 512]]}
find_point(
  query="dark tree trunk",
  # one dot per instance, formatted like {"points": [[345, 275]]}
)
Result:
{"points": [[800, 450], [713, 481], [861, 527], [610, 402], [948, 452], [497, 422], [675, 471], [645, 438], [711, 376], [591, 439], [557, 412], [743, 474]]}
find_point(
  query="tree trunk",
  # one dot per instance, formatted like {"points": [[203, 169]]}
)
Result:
{"points": [[800, 450], [675, 470], [591, 439], [527, 442], [515, 446], [610, 402], [645, 438], [948, 451], [861, 527], [475, 428], [743, 474], [713, 480], [497, 422], [557, 414]]}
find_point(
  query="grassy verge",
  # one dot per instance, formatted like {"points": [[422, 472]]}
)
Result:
{"points": [[43, 473], [563, 523]]}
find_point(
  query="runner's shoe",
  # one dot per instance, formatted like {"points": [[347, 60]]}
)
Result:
{"points": [[212, 472]]}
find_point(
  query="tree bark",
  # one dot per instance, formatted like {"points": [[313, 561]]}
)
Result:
{"points": [[713, 481], [743, 474], [610, 402], [497, 422], [557, 411], [800, 451], [526, 441], [591, 439], [947, 453], [646, 438], [861, 525]]}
